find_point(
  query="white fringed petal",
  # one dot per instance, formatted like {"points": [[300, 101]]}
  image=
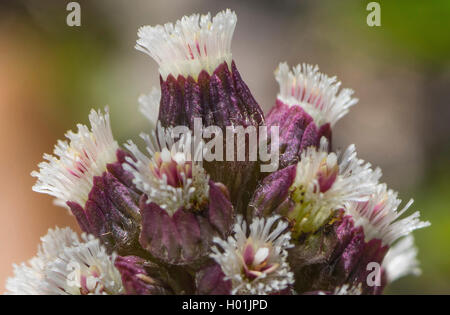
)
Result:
{"points": [[380, 216], [192, 44], [263, 234], [401, 260], [319, 95], [83, 269], [68, 174]]}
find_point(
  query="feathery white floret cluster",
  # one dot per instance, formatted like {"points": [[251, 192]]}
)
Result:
{"points": [[191, 45], [326, 182], [68, 174], [169, 175], [380, 216], [66, 265], [319, 95], [255, 260]]}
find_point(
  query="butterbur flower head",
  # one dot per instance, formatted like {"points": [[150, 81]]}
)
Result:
{"points": [[380, 216], [182, 209], [199, 79], [66, 265], [319, 95], [198, 75], [308, 105], [170, 176], [84, 269], [159, 220], [191, 45], [85, 175], [325, 182], [255, 260], [68, 174]]}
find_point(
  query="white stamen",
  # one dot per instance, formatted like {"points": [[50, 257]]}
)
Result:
{"points": [[165, 155], [158, 190], [60, 266], [88, 260], [331, 159]]}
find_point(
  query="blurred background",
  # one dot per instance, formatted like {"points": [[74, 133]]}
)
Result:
{"points": [[52, 74]]}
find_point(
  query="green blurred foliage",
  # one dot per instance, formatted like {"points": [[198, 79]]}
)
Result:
{"points": [[419, 27], [412, 31]]}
